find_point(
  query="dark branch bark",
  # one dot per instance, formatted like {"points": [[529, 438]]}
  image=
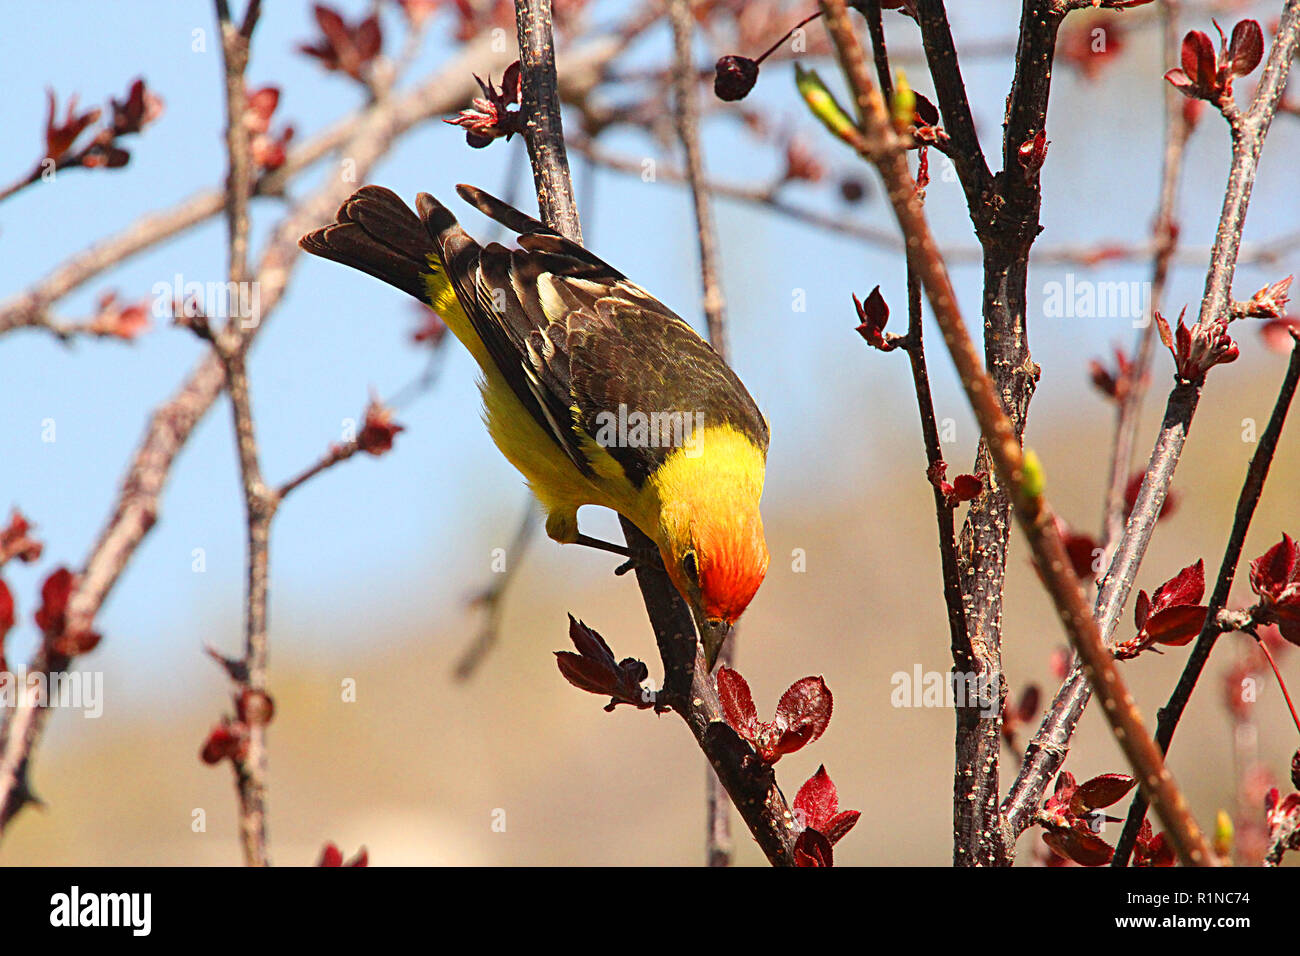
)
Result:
{"points": [[1051, 742], [688, 688], [1256, 474], [883, 148]]}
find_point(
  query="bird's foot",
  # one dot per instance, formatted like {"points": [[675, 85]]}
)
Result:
{"points": [[636, 557]]}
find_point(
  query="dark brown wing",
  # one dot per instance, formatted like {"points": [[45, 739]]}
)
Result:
{"points": [[571, 336], [595, 341]]}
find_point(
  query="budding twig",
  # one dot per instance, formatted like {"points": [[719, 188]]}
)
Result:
{"points": [[688, 688], [1251, 489], [1051, 742], [883, 148]]}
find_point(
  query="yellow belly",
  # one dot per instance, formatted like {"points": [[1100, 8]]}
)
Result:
{"points": [[559, 486]]}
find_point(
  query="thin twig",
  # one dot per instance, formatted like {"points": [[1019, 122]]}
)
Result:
{"points": [[1094, 255], [914, 344], [884, 149], [1051, 742], [1251, 489], [444, 91], [686, 110], [1165, 238], [259, 503], [688, 687], [370, 134], [491, 600]]}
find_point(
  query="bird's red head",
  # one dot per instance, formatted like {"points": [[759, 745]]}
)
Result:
{"points": [[733, 561]]}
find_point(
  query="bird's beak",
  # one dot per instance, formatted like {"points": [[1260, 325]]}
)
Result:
{"points": [[713, 632]]}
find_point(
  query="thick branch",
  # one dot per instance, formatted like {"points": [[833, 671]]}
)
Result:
{"points": [[950, 88]]}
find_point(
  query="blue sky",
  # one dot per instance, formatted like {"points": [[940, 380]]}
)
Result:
{"points": [[373, 540]]}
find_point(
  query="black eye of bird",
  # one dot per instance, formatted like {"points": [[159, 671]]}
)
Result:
{"points": [[690, 567]]}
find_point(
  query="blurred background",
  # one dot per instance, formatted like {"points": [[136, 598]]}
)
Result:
{"points": [[375, 562]]}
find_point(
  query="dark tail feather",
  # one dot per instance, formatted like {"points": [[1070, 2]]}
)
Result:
{"points": [[501, 212], [533, 235], [378, 233], [457, 248]]}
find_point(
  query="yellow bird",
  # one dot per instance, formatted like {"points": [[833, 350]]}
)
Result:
{"points": [[592, 388]]}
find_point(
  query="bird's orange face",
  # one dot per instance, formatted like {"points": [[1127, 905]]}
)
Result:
{"points": [[710, 533], [720, 565]]}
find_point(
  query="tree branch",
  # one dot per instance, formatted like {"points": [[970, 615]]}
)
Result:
{"points": [[1022, 483], [371, 134], [686, 110], [1256, 474], [688, 688], [1050, 744]]}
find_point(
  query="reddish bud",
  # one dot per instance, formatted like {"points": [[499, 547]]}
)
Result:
{"points": [[852, 190], [1275, 578], [120, 320], [254, 707], [801, 163], [496, 113], [1271, 301], [226, 741], [1197, 349], [17, 542], [595, 670], [873, 314], [734, 77], [1033, 152], [378, 430]]}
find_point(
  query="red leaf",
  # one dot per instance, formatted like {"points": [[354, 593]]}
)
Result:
{"points": [[1185, 587], [1082, 550], [1176, 626], [378, 429], [1141, 610], [6, 621], [1247, 47], [1079, 844], [54, 601], [1065, 786], [737, 703], [1101, 791], [803, 713], [1274, 574], [813, 849], [595, 670], [873, 313], [226, 740], [15, 542], [840, 824], [330, 855], [967, 487], [6, 613], [583, 673], [817, 800], [1199, 61]]}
